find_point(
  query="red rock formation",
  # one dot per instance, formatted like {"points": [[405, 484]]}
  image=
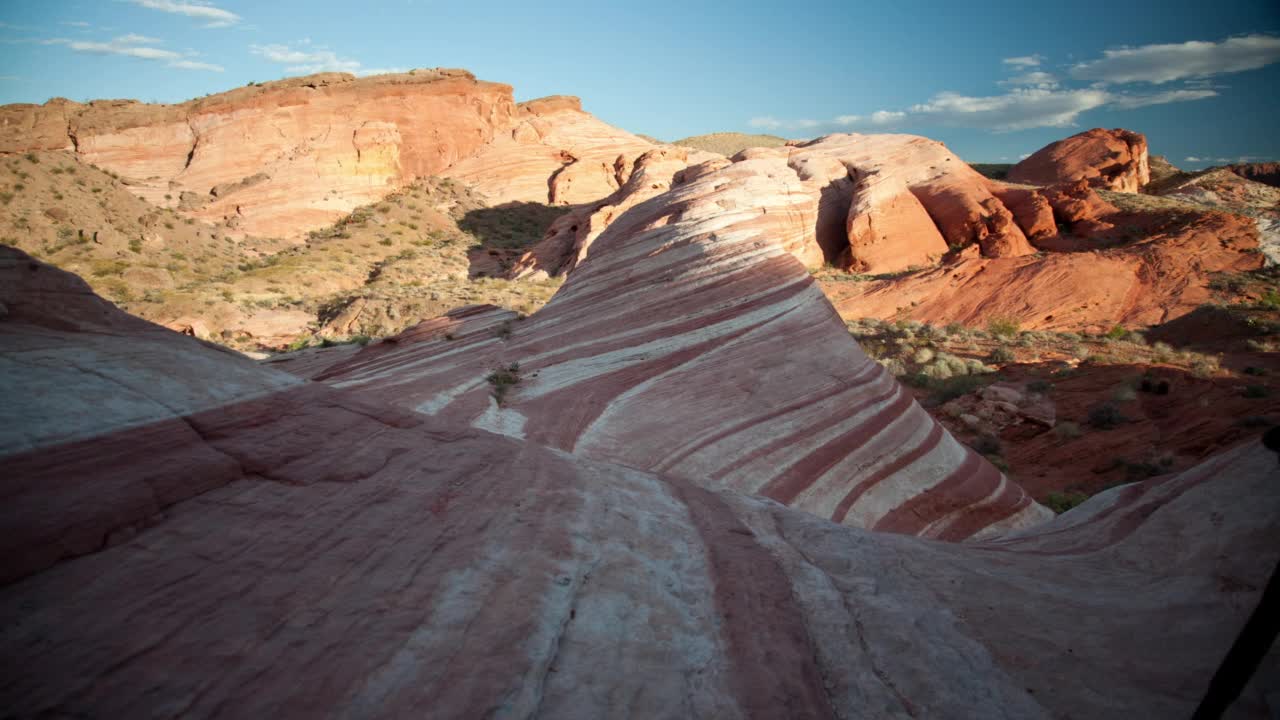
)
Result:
{"points": [[1266, 173], [553, 153], [226, 551], [874, 203], [1110, 159], [690, 302], [1145, 283], [285, 157], [1031, 210], [1077, 205]]}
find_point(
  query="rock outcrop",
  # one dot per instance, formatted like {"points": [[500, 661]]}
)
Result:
{"points": [[226, 549], [1093, 287], [871, 203], [284, 157], [691, 302], [552, 153], [1266, 173], [1108, 159]]}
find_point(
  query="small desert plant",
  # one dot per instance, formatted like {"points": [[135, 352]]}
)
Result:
{"points": [[502, 380], [1060, 502], [1256, 391], [1004, 326], [1105, 416], [1067, 430], [1002, 355], [1040, 386]]}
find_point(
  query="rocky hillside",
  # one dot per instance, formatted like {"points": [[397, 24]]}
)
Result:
{"points": [[418, 252], [286, 157], [728, 143]]}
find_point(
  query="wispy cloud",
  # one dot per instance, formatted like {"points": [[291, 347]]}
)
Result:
{"points": [[1024, 61], [1129, 102], [214, 16], [878, 118], [137, 46], [305, 61], [771, 123], [75, 23], [1036, 78], [1160, 64], [1036, 98]]}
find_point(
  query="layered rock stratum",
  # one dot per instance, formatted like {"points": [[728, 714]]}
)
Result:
{"points": [[400, 533], [285, 157]]}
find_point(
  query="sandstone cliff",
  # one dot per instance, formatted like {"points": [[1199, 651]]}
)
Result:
{"points": [[284, 157]]}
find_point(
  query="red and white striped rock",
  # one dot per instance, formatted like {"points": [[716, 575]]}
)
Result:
{"points": [[264, 546], [674, 348], [873, 203]]}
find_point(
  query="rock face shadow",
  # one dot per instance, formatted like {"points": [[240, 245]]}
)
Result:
{"points": [[504, 232]]}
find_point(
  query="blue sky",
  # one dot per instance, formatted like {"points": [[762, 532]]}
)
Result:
{"points": [[993, 80]]}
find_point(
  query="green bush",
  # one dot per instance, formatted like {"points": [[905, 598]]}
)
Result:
{"points": [[1004, 326], [1105, 416], [1060, 502]]}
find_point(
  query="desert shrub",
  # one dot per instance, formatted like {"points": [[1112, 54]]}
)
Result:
{"points": [[300, 344], [1116, 333], [1256, 391], [1124, 393], [1205, 366], [1105, 416], [922, 356], [951, 388], [1060, 502], [987, 445], [1001, 354], [1040, 386], [1067, 430], [33, 159], [896, 367], [502, 380], [1004, 326]]}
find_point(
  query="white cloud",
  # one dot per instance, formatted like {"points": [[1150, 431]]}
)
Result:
{"points": [[1024, 61], [216, 16], [137, 46], [1192, 159], [381, 71], [1129, 102], [75, 23], [879, 118], [1024, 156], [1017, 110], [772, 123], [306, 62], [134, 39], [1176, 61], [1036, 78]]}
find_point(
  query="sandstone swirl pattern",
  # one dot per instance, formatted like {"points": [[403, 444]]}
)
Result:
{"points": [[691, 342], [238, 542]]}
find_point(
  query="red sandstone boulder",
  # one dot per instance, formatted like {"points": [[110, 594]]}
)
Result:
{"points": [[1079, 206], [1110, 159], [1031, 210]]}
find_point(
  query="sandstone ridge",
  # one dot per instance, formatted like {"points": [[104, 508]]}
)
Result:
{"points": [[284, 157]]}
